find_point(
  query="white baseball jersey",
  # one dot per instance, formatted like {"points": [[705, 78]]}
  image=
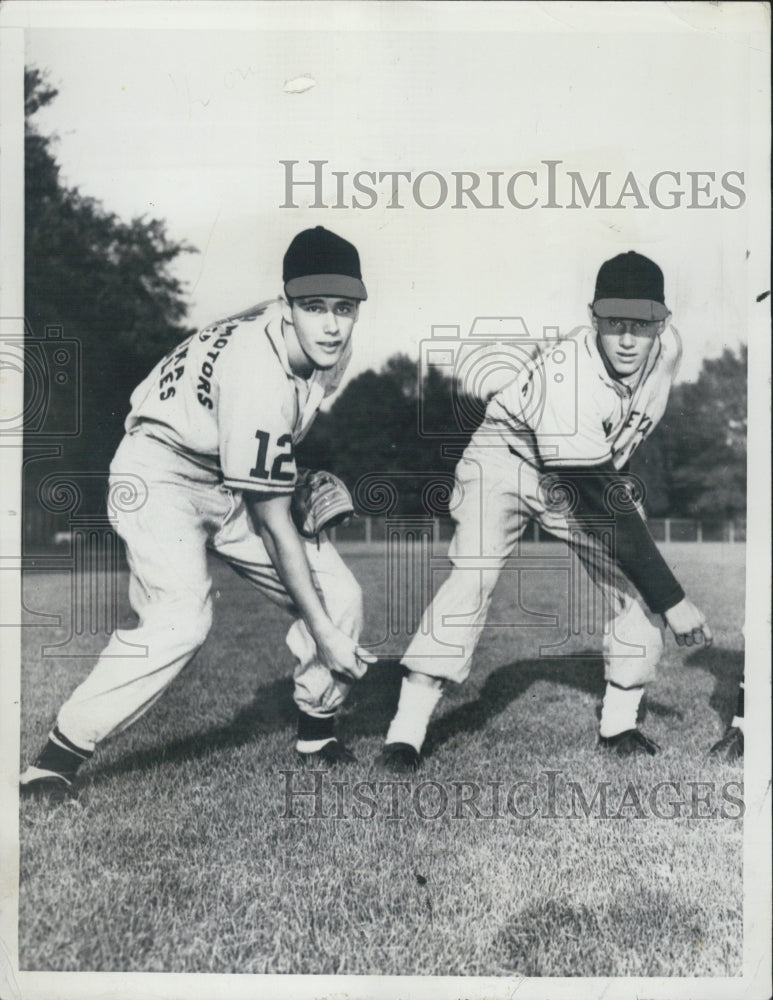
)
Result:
{"points": [[227, 399], [565, 409]]}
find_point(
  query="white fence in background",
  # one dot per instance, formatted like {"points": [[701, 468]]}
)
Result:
{"points": [[669, 529], [45, 531]]}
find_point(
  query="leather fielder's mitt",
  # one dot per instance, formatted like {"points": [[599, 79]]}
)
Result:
{"points": [[320, 501]]}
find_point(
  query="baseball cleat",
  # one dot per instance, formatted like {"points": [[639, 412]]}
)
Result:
{"points": [[331, 754], [399, 758], [631, 742], [39, 783], [730, 747]]}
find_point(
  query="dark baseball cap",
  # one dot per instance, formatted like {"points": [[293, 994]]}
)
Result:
{"points": [[630, 286], [319, 262]]}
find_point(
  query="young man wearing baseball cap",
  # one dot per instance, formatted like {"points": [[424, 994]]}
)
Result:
{"points": [[553, 446], [209, 451]]}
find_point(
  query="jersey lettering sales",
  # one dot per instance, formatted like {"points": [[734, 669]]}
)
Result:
{"points": [[313, 185]]}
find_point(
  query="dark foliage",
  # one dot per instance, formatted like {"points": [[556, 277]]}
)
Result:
{"points": [[693, 465], [106, 283]]}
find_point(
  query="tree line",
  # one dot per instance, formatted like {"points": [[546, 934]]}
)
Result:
{"points": [[693, 464], [109, 285]]}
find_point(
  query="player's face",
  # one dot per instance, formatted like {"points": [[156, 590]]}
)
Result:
{"points": [[626, 343], [319, 330]]}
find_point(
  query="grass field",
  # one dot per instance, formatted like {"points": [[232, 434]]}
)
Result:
{"points": [[187, 852]]}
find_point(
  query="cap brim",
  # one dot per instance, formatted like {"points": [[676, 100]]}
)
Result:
{"points": [[326, 284], [645, 309]]}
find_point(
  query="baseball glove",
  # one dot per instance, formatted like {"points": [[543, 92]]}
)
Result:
{"points": [[320, 501]]}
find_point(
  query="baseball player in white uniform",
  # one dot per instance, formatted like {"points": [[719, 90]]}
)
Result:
{"points": [[211, 435], [546, 453]]}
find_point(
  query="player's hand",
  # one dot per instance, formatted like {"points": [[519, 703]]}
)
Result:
{"points": [[688, 624], [342, 655]]}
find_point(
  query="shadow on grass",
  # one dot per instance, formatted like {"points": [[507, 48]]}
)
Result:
{"points": [[726, 666], [556, 938], [371, 706], [583, 672], [271, 709], [368, 712]]}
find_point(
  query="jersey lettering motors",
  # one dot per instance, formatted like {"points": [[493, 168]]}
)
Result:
{"points": [[227, 399], [204, 384], [172, 368], [597, 419]]}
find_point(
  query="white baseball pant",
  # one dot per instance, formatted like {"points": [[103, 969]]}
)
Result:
{"points": [[496, 495], [166, 539]]}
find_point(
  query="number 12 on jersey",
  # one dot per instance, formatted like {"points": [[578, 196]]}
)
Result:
{"points": [[285, 456]]}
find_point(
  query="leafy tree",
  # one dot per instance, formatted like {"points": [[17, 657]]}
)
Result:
{"points": [[374, 427], [371, 426], [651, 462], [707, 439], [694, 464], [107, 283]]}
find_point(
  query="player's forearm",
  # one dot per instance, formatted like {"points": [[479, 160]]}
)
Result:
{"points": [[286, 552], [643, 564], [631, 544]]}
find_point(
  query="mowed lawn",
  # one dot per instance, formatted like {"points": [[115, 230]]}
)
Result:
{"points": [[189, 848]]}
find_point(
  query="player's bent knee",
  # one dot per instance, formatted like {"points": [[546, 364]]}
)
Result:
{"points": [[194, 623], [467, 591], [199, 630], [633, 646], [186, 623]]}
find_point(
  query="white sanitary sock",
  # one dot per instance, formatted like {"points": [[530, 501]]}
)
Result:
{"points": [[619, 709], [313, 746], [416, 705]]}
